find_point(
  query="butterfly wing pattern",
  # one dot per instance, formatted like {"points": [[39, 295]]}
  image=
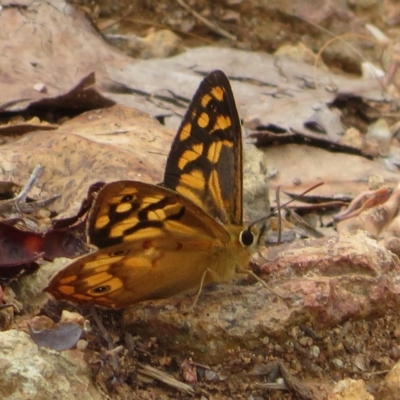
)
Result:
{"points": [[157, 241], [205, 161]]}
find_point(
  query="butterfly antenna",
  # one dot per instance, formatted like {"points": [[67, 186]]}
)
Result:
{"points": [[279, 207]]}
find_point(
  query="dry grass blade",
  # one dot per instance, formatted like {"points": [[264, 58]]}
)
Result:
{"points": [[207, 23], [165, 378]]}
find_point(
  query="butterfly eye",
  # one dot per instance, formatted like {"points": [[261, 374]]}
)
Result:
{"points": [[246, 237]]}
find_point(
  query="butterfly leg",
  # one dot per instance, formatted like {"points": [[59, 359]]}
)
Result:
{"points": [[258, 279], [191, 308]]}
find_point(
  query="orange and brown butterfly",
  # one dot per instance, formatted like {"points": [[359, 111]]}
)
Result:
{"points": [[157, 241]]}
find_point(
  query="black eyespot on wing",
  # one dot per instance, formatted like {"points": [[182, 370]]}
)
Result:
{"points": [[102, 289], [119, 253], [127, 198]]}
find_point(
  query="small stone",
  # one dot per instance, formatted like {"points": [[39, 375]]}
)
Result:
{"points": [[352, 137], [82, 344], [210, 375], [265, 340], [338, 363], [360, 362], [40, 87], [68, 316], [42, 213], [305, 341], [299, 52], [379, 136], [315, 351], [160, 44]]}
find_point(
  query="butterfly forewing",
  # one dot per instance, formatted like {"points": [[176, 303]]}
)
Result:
{"points": [[205, 161], [126, 211]]}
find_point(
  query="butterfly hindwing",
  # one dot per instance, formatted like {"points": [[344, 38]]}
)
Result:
{"points": [[121, 275], [205, 161]]}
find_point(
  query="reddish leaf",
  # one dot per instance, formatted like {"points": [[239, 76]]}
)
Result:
{"points": [[63, 243], [18, 247]]}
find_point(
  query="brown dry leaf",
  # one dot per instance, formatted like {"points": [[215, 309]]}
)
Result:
{"points": [[343, 174], [21, 127], [101, 145], [51, 45]]}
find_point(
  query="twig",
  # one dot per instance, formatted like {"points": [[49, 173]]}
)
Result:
{"points": [[7, 206], [165, 378], [36, 174], [207, 23], [278, 205], [302, 390], [18, 203]]}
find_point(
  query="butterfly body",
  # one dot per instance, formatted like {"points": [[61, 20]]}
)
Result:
{"points": [[157, 241]]}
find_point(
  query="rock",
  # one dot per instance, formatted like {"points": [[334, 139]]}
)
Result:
{"points": [[300, 52], [390, 387], [159, 44], [341, 55], [350, 389], [255, 183], [378, 138], [31, 372]]}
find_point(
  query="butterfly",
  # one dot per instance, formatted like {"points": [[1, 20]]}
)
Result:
{"points": [[155, 241]]}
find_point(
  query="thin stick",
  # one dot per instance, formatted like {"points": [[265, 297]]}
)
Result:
{"points": [[284, 205], [18, 203], [36, 174], [278, 206], [165, 378], [207, 23]]}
